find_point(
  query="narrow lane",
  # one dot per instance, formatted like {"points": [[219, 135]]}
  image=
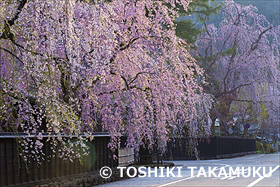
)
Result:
{"points": [[255, 170]]}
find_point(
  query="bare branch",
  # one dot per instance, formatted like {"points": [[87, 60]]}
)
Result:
{"points": [[142, 72], [125, 81], [6, 50], [255, 44], [121, 49], [19, 9], [11, 22], [129, 43]]}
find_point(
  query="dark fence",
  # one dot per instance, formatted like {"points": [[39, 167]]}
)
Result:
{"points": [[214, 147], [15, 171]]}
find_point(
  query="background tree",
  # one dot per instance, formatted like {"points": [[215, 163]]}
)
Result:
{"points": [[86, 66], [239, 56]]}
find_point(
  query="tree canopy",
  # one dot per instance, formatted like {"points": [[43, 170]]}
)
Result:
{"points": [[77, 67]]}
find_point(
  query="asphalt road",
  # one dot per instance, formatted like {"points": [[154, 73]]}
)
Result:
{"points": [[255, 170]]}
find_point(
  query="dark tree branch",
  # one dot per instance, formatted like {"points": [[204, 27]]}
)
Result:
{"points": [[6, 50], [40, 54], [1, 48], [231, 61], [125, 81], [20, 46], [236, 23], [8, 23], [19, 9], [142, 72], [236, 88], [255, 44], [129, 43], [121, 49], [220, 52]]}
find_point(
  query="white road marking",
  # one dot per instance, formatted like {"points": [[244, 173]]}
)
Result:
{"points": [[232, 177], [224, 178], [261, 178], [176, 181], [255, 156], [188, 177]]}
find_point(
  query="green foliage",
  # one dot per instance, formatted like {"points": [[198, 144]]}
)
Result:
{"points": [[267, 148], [259, 147], [264, 148], [185, 29], [264, 111], [203, 9], [230, 51]]}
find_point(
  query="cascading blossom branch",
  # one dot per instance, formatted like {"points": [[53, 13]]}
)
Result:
{"points": [[79, 67]]}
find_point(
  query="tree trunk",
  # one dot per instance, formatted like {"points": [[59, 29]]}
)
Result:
{"points": [[221, 110]]}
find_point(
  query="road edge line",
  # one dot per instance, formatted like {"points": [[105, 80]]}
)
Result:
{"points": [[261, 178]]}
